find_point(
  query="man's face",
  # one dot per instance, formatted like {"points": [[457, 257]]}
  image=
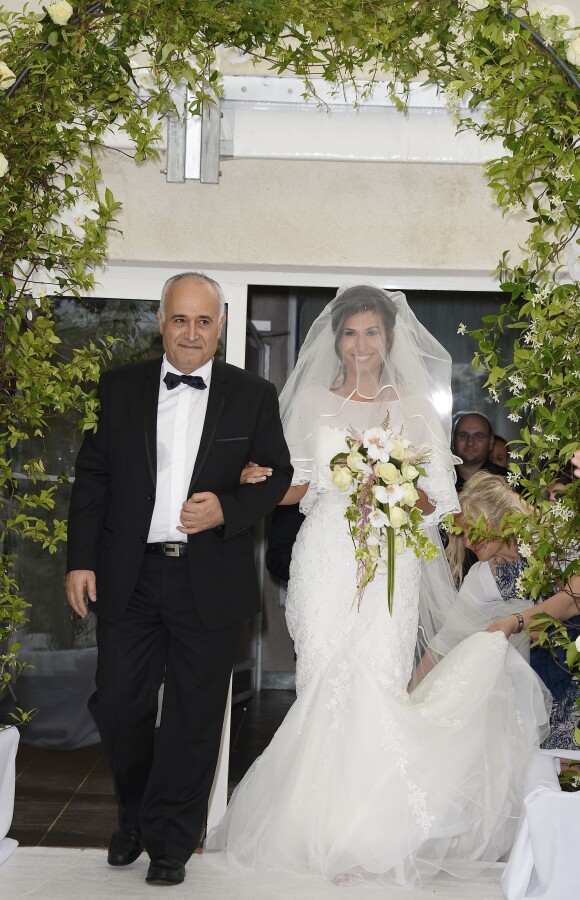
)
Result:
{"points": [[191, 326], [473, 440]]}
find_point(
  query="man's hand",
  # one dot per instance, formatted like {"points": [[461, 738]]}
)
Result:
{"points": [[80, 584], [200, 513]]}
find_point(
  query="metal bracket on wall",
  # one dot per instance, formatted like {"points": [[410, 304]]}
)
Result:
{"points": [[193, 142], [209, 169], [176, 136]]}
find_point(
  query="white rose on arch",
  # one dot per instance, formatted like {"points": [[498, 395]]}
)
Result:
{"points": [[60, 12], [3, 165], [573, 53], [7, 77]]}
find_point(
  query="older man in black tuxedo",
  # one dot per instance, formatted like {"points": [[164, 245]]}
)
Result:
{"points": [[160, 548]]}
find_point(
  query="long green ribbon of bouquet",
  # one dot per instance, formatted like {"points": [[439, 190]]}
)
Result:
{"points": [[390, 566]]}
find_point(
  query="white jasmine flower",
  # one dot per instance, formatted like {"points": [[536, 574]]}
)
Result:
{"points": [[462, 329], [559, 511], [513, 417], [525, 550], [512, 478], [516, 384], [494, 395], [60, 12], [7, 77]]}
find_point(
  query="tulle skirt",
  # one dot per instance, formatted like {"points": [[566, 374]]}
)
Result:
{"points": [[361, 783]]}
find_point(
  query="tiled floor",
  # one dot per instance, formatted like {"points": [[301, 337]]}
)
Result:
{"points": [[65, 798]]}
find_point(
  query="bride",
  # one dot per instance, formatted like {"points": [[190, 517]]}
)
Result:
{"points": [[367, 778]]}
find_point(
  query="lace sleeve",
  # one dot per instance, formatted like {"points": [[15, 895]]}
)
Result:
{"points": [[439, 486]]}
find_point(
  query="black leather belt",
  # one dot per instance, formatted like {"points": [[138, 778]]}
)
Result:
{"points": [[168, 548]]}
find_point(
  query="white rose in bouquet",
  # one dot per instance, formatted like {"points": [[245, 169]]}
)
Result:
{"points": [[409, 472], [341, 477], [410, 495], [387, 471], [397, 516]]}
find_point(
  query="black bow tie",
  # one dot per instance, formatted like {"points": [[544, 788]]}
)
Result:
{"points": [[194, 381]]}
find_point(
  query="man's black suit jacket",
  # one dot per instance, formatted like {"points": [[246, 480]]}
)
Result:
{"points": [[114, 490]]}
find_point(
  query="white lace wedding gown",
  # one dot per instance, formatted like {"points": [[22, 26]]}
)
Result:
{"points": [[364, 779]]}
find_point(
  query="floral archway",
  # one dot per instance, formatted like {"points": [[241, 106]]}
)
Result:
{"points": [[70, 72]]}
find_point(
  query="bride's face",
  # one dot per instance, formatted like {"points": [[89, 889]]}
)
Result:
{"points": [[363, 343]]}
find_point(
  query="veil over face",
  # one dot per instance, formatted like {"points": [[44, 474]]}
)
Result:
{"points": [[366, 348]]}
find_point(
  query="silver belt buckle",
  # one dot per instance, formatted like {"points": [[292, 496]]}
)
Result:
{"points": [[171, 549]]}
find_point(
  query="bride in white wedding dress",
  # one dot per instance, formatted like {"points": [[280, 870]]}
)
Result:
{"points": [[367, 778]]}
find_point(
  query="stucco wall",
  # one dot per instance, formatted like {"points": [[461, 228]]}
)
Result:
{"points": [[309, 214]]}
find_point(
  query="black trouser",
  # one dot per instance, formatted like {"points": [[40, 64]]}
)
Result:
{"points": [[163, 791]]}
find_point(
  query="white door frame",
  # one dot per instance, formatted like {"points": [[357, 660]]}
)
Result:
{"points": [[144, 282]]}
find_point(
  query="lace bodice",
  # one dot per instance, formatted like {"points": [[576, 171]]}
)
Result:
{"points": [[414, 418], [320, 609]]}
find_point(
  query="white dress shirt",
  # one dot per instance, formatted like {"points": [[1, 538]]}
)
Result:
{"points": [[180, 418]]}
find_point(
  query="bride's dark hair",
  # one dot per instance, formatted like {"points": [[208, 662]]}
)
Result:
{"points": [[357, 299], [362, 298]]}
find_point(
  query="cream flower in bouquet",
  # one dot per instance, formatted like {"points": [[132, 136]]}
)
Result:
{"points": [[381, 469]]}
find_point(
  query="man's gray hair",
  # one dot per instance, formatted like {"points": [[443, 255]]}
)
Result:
{"points": [[193, 276]]}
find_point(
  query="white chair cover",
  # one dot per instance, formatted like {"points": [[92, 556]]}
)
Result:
{"points": [[543, 864], [9, 738]]}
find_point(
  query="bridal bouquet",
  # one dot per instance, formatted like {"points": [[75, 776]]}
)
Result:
{"points": [[381, 469]]}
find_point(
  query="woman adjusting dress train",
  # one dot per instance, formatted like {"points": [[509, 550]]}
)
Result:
{"points": [[368, 777]]}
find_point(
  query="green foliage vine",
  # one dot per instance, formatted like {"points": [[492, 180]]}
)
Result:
{"points": [[72, 72]]}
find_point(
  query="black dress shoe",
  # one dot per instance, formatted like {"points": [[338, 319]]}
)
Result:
{"points": [[165, 870], [124, 848]]}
